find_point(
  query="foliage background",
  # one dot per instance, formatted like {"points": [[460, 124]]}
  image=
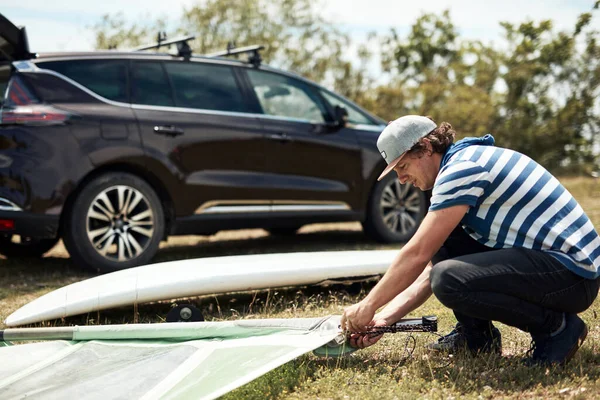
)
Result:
{"points": [[537, 92]]}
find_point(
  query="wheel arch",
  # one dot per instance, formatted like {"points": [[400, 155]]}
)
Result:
{"points": [[161, 190], [372, 184], [372, 227]]}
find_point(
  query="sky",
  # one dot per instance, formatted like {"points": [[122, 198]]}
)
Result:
{"points": [[63, 25]]}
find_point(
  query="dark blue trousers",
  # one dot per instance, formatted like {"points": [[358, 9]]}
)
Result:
{"points": [[524, 288]]}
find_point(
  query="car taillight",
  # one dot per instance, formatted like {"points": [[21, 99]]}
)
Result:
{"points": [[21, 106], [35, 114], [7, 224]]}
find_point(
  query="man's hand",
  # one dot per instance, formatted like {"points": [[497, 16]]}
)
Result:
{"points": [[361, 341], [357, 317]]}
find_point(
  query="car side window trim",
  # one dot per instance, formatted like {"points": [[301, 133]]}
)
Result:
{"points": [[162, 108], [217, 112], [372, 128]]}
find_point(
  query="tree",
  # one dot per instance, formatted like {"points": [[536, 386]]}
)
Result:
{"points": [[113, 31], [437, 74], [540, 96], [296, 37], [549, 109]]}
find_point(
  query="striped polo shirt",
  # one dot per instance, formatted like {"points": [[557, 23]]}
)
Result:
{"points": [[514, 202]]}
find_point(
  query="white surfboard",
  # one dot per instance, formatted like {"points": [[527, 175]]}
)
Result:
{"points": [[185, 278]]}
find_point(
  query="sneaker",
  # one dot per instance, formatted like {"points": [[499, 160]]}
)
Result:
{"points": [[559, 349], [460, 339]]}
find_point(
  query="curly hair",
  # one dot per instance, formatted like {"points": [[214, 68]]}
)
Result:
{"points": [[440, 139]]}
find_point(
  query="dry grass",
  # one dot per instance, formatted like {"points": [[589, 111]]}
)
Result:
{"points": [[25, 280], [380, 372]]}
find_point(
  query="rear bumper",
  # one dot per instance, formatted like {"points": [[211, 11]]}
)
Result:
{"points": [[31, 225]]}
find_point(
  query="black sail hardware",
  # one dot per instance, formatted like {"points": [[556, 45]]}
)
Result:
{"points": [[168, 130], [184, 313], [423, 324]]}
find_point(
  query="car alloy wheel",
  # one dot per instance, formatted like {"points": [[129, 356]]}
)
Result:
{"points": [[120, 223], [400, 207]]}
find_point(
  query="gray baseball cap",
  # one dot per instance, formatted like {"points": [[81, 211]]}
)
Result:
{"points": [[400, 136]]}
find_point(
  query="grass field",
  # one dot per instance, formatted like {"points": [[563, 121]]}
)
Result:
{"points": [[393, 369]]}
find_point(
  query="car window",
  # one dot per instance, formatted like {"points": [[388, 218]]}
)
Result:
{"points": [[286, 97], [149, 84], [108, 78], [355, 116], [210, 87]]}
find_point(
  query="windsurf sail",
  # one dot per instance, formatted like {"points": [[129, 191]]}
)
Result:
{"points": [[187, 360]]}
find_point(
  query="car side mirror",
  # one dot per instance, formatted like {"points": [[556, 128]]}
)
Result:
{"points": [[275, 91], [341, 116]]}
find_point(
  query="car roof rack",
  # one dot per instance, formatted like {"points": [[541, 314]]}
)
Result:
{"points": [[254, 58], [183, 48]]}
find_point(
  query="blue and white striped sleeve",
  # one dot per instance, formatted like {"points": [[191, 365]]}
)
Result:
{"points": [[460, 183]]}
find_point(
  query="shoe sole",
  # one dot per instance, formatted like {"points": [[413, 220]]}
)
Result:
{"points": [[577, 345]]}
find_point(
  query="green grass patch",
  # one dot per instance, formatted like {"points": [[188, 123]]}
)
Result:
{"points": [[396, 368]]}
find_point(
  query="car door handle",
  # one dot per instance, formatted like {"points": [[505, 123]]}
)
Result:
{"points": [[168, 130], [281, 137]]}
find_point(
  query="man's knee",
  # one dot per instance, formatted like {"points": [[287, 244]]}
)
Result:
{"points": [[445, 284]]}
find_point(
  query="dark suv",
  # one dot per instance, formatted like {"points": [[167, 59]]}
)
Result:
{"points": [[114, 151]]}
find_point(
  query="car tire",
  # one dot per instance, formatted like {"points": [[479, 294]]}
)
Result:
{"points": [[116, 222], [27, 248], [394, 211]]}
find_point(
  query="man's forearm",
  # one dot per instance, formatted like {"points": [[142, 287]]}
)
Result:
{"points": [[409, 300], [406, 269]]}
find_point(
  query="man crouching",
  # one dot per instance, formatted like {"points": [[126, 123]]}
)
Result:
{"points": [[503, 241]]}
